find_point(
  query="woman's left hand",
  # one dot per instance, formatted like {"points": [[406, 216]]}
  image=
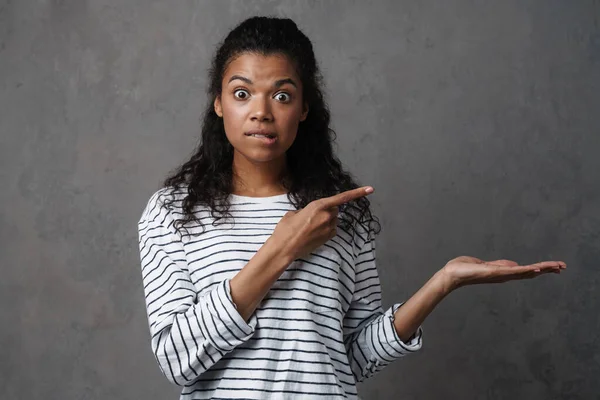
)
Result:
{"points": [[465, 270]]}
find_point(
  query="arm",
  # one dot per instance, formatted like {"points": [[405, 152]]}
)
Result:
{"points": [[459, 272], [370, 336], [190, 333], [297, 234], [252, 283], [413, 312]]}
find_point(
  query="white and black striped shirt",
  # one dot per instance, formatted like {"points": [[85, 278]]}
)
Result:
{"points": [[319, 330]]}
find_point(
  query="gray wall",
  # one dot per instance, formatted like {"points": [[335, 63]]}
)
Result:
{"points": [[476, 122]]}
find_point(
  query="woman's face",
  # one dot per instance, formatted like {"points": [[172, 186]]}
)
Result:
{"points": [[264, 94]]}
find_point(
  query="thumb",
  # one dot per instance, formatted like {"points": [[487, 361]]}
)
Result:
{"points": [[468, 259], [507, 263]]}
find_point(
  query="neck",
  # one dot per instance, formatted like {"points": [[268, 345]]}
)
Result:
{"points": [[258, 179]]}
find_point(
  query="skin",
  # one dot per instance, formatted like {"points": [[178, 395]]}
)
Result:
{"points": [[260, 92], [257, 173]]}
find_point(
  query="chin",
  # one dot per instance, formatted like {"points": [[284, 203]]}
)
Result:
{"points": [[261, 156], [264, 159]]}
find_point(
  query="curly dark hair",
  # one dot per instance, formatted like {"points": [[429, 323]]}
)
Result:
{"points": [[314, 171]]}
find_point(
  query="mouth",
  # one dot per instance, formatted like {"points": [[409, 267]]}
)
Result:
{"points": [[261, 134], [264, 136]]}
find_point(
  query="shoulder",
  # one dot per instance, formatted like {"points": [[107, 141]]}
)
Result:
{"points": [[363, 235], [163, 203]]}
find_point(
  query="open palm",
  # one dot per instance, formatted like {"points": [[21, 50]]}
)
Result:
{"points": [[467, 270]]}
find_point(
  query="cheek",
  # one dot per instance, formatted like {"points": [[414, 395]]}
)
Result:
{"points": [[292, 119], [232, 120], [230, 112]]}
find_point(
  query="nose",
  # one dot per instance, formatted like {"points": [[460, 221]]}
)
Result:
{"points": [[261, 109]]}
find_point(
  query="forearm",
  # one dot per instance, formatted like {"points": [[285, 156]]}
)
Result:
{"points": [[413, 312], [253, 282], [195, 335]]}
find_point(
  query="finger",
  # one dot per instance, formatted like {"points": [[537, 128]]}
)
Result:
{"points": [[548, 265], [334, 223], [531, 274], [534, 274], [520, 269], [517, 270], [561, 264], [345, 197], [333, 219], [534, 269]]}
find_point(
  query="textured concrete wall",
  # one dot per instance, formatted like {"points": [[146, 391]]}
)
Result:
{"points": [[476, 122]]}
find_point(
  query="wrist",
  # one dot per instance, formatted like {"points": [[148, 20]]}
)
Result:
{"points": [[446, 280], [280, 251]]}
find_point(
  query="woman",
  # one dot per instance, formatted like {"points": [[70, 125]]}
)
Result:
{"points": [[258, 254]]}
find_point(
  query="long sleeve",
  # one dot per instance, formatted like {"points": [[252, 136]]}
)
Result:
{"points": [[189, 333], [370, 337]]}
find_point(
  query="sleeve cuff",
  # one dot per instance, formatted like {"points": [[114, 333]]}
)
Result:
{"points": [[233, 329], [395, 343]]}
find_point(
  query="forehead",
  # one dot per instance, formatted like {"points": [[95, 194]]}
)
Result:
{"points": [[258, 67]]}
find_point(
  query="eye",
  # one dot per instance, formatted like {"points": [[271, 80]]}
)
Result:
{"points": [[241, 94], [283, 97]]}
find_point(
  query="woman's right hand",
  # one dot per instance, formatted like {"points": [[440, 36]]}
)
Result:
{"points": [[296, 235], [300, 232]]}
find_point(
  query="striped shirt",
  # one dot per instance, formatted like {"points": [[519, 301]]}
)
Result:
{"points": [[318, 331]]}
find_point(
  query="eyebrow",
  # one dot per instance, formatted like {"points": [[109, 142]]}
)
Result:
{"points": [[277, 83]]}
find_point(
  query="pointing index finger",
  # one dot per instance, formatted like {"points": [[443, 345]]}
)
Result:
{"points": [[345, 197]]}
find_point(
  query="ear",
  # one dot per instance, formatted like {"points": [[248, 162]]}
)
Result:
{"points": [[217, 106], [304, 112]]}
